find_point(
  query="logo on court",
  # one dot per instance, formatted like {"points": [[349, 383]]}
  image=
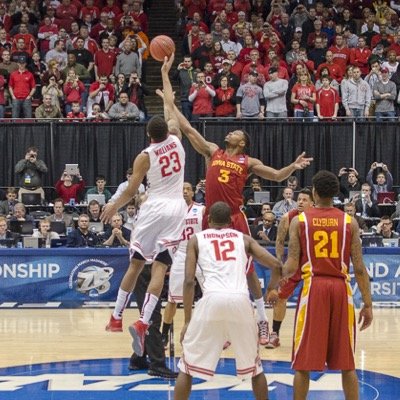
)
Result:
{"points": [[110, 379], [91, 277]]}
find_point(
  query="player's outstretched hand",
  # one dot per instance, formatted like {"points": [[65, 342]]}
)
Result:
{"points": [[365, 317], [183, 332], [302, 161], [109, 210], [166, 67]]}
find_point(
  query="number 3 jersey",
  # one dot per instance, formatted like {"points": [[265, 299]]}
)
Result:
{"points": [[222, 261], [167, 168], [325, 240], [225, 179]]}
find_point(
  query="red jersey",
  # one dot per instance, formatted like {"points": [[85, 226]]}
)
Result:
{"points": [[225, 179], [327, 99], [325, 240]]}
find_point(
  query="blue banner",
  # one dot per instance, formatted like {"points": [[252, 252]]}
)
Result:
{"points": [[63, 277]]}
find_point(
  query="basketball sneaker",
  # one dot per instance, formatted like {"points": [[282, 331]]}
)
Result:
{"points": [[165, 341], [114, 325], [273, 341], [138, 331], [263, 332]]}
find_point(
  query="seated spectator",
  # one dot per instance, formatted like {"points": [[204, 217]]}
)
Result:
{"points": [[59, 214], [265, 207], [66, 189], [73, 91], [225, 99], [82, 236], [30, 173], [117, 235], [351, 183], [255, 186], [137, 91], [53, 90], [129, 215], [201, 96], [96, 115], [293, 183], [350, 208], [100, 188], [94, 212], [19, 214], [366, 206], [285, 205], [384, 179], [45, 233], [76, 115], [7, 206], [4, 232], [47, 110], [384, 228], [124, 109], [267, 230], [102, 93]]}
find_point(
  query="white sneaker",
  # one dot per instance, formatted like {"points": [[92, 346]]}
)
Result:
{"points": [[263, 332]]}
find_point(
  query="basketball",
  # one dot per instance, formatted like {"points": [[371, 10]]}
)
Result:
{"points": [[161, 46]]}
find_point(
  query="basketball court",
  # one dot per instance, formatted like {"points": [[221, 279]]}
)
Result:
{"points": [[60, 354]]}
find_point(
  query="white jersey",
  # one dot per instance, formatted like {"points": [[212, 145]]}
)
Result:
{"points": [[222, 261], [193, 224], [167, 167]]}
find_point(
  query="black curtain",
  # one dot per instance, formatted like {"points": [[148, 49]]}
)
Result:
{"points": [[110, 148]]}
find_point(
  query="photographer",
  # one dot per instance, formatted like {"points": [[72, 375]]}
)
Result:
{"points": [[201, 96], [30, 172], [200, 193], [68, 190], [384, 179], [349, 182]]}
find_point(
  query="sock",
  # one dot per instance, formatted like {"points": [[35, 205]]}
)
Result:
{"points": [[121, 303], [260, 309], [276, 326], [165, 329], [149, 304]]}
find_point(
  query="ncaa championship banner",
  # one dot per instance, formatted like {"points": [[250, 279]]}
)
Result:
{"points": [[63, 278]]}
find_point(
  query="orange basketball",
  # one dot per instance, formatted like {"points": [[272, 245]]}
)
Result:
{"points": [[161, 46]]}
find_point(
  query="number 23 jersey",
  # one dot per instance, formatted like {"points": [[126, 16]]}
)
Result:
{"points": [[167, 167]]}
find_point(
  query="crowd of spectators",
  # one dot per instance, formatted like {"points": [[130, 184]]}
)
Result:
{"points": [[290, 58], [74, 59]]}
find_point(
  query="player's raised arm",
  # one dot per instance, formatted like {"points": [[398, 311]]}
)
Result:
{"points": [[196, 139], [140, 167], [278, 175]]}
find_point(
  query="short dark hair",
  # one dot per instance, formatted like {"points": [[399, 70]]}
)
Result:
{"points": [[58, 200], [220, 213], [326, 184], [32, 148], [246, 139], [307, 192], [100, 178], [157, 128]]}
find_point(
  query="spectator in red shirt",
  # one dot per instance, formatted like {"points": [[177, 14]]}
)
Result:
{"points": [[89, 9], [68, 190], [2, 98], [73, 90], [76, 115], [327, 101], [66, 13], [193, 6], [21, 87], [100, 27], [335, 72], [201, 96], [139, 15], [225, 99], [111, 9], [104, 60], [102, 93], [45, 32], [360, 55], [303, 97]]}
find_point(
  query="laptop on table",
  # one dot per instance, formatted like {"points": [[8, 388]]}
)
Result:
{"points": [[100, 198], [385, 197], [21, 227], [262, 197], [31, 199], [58, 227]]}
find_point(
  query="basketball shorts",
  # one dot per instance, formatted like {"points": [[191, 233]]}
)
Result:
{"points": [[218, 318], [158, 227], [324, 333]]}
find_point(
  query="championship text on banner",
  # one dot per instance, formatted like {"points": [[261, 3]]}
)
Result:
{"points": [[71, 277]]}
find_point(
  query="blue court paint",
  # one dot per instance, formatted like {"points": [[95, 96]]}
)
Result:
{"points": [[109, 379]]}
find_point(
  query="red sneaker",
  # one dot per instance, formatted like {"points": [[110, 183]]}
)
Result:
{"points": [[273, 341], [138, 331], [115, 325], [263, 332]]}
